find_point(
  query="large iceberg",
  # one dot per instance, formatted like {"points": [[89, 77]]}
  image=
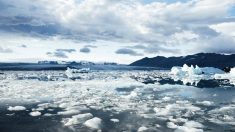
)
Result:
{"points": [[188, 71]]}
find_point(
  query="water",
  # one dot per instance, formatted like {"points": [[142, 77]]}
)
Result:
{"points": [[153, 100]]}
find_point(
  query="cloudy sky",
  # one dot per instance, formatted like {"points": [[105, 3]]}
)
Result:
{"points": [[113, 30]]}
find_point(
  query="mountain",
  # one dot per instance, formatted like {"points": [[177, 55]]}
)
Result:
{"points": [[201, 59]]}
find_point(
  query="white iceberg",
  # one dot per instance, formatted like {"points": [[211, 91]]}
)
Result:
{"points": [[68, 112], [75, 73], [142, 129], [190, 71], [94, 123], [78, 119], [114, 120], [35, 113], [16, 108]]}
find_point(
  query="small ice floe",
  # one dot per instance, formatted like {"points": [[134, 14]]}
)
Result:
{"points": [[223, 115], [68, 112], [176, 109], [48, 114], [16, 108], [166, 98], [178, 120], [189, 126], [10, 114], [114, 120], [132, 95], [75, 73], [157, 125], [205, 103], [171, 125], [142, 129], [63, 105], [35, 113], [78, 119], [94, 123]]}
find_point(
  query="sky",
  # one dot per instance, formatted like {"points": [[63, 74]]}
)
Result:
{"points": [[119, 31]]}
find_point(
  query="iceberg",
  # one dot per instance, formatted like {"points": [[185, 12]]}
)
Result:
{"points": [[94, 123], [35, 113], [189, 71], [78, 119], [16, 108], [75, 73], [142, 129], [230, 76], [114, 120]]}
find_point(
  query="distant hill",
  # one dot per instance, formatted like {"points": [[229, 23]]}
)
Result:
{"points": [[200, 59]]}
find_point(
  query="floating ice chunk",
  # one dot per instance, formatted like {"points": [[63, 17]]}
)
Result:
{"points": [[189, 126], [166, 98], [48, 114], [16, 108], [188, 129], [10, 114], [133, 94], [75, 73], [205, 103], [35, 113], [175, 109], [63, 105], [114, 120], [94, 123], [193, 124], [142, 129], [223, 115], [171, 125], [78, 119], [228, 118], [157, 125], [177, 120], [68, 112]]}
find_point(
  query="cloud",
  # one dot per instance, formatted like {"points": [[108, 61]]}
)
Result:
{"points": [[139, 46], [85, 50], [61, 53], [5, 50], [158, 26], [126, 51], [220, 44], [23, 46], [90, 46], [57, 54], [66, 50]]}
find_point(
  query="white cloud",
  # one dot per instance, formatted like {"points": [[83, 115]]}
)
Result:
{"points": [[162, 28], [227, 28], [5, 50]]}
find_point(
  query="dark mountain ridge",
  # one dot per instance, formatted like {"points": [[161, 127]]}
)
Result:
{"points": [[201, 59]]}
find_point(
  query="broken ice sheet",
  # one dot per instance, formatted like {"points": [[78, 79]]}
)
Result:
{"points": [[115, 98]]}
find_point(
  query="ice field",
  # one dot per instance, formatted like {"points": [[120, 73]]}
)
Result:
{"points": [[179, 100]]}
